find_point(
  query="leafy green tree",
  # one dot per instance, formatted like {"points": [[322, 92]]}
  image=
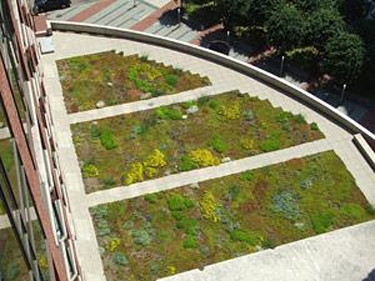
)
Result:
{"points": [[286, 27], [309, 6], [261, 10], [234, 12], [344, 56], [322, 25]]}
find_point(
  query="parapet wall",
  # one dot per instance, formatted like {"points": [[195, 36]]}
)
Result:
{"points": [[218, 58]]}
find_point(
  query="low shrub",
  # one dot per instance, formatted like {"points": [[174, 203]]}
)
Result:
{"points": [[314, 126], [249, 115], [144, 86], [171, 79], [190, 242], [168, 113], [270, 144], [269, 243], [90, 170], [306, 183], [108, 182], [107, 140], [243, 236], [112, 244], [171, 270], [141, 237], [353, 211], [209, 206], [203, 158], [213, 104], [132, 73], [203, 100], [151, 197], [234, 192], [218, 144], [178, 215], [300, 119], [322, 221], [190, 226], [120, 259], [247, 176], [178, 202], [286, 202], [94, 132], [246, 143], [155, 160], [135, 174], [187, 164], [230, 112]]}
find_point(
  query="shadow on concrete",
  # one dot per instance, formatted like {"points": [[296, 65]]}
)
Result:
{"points": [[370, 276]]}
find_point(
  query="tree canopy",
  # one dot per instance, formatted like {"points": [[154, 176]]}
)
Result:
{"points": [[286, 27], [344, 56]]}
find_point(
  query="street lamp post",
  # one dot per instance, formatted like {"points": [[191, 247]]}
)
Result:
{"points": [[134, 3], [179, 16], [282, 66], [342, 94]]}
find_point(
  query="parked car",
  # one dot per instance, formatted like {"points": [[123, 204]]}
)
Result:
{"points": [[41, 6]]}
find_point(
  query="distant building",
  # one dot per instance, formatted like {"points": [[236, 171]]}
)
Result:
{"points": [[36, 240]]}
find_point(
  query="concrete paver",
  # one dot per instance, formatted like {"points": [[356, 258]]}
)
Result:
{"points": [[340, 255]]}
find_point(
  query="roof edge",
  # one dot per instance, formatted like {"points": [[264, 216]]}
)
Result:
{"points": [[248, 69]]}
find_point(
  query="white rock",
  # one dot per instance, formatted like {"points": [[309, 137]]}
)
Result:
{"points": [[145, 96], [193, 109], [110, 84], [225, 160], [195, 185], [184, 117], [100, 104]]}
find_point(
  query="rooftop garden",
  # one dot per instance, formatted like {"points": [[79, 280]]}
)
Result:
{"points": [[110, 78], [7, 157], [12, 264], [169, 232], [145, 145]]}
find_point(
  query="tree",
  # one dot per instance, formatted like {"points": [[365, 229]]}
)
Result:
{"points": [[310, 6], [322, 25], [261, 10], [234, 12], [286, 27], [343, 57]]}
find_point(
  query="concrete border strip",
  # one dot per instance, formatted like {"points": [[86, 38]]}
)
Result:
{"points": [[365, 149]]}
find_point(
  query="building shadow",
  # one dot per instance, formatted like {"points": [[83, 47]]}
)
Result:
{"points": [[370, 276]]}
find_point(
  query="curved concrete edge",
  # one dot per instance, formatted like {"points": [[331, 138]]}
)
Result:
{"points": [[224, 60], [365, 149]]}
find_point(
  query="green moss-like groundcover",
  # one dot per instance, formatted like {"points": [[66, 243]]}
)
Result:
{"points": [[144, 145], [114, 78], [164, 233]]}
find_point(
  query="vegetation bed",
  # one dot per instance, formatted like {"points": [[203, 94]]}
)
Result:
{"points": [[111, 78], [169, 232], [7, 157], [144, 145]]}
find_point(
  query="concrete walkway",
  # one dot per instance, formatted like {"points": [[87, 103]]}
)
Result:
{"points": [[292, 257], [230, 168]]}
